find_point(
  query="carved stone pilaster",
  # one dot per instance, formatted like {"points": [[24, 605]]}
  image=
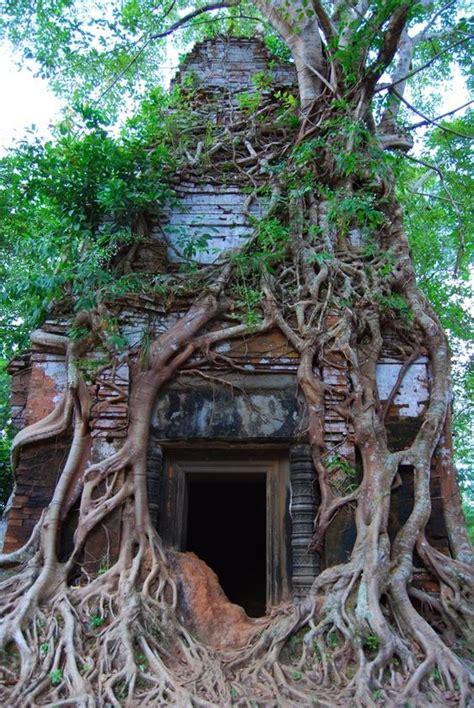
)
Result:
{"points": [[303, 507], [154, 478]]}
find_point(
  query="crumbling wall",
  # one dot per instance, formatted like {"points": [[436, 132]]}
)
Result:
{"points": [[20, 372], [39, 377], [214, 212], [209, 219], [229, 65]]}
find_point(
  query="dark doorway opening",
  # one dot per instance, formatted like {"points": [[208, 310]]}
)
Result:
{"points": [[226, 528]]}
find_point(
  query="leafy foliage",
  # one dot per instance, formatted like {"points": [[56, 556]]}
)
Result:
{"points": [[438, 213], [436, 195], [344, 476], [67, 206], [109, 51], [56, 676]]}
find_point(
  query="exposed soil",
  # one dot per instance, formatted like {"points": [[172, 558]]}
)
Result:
{"points": [[206, 610]]}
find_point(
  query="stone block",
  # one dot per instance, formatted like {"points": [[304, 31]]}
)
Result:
{"points": [[242, 409]]}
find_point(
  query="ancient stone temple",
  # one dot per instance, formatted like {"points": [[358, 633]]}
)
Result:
{"points": [[230, 474]]}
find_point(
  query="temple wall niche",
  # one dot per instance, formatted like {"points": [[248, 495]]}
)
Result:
{"points": [[412, 395], [252, 407]]}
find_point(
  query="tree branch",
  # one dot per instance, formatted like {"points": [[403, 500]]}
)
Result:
{"points": [[426, 121], [168, 9], [430, 121], [384, 87], [405, 50], [274, 17], [453, 203], [195, 13], [160, 35], [324, 20], [422, 33], [390, 44]]}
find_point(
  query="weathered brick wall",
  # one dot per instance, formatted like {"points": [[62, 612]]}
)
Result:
{"points": [[412, 395], [20, 371], [228, 65], [212, 209], [39, 378], [210, 214], [36, 476]]}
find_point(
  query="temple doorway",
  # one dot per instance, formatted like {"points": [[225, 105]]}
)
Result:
{"points": [[226, 528], [230, 508]]}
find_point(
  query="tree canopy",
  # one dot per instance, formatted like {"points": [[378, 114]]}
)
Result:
{"points": [[101, 51]]}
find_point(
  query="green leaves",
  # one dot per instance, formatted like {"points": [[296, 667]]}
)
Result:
{"points": [[263, 80], [56, 677], [272, 234], [67, 206], [344, 477], [248, 101], [371, 642], [248, 299], [265, 250], [96, 621], [321, 257], [306, 150], [439, 215], [396, 304], [193, 244], [358, 209], [276, 46], [44, 648]]}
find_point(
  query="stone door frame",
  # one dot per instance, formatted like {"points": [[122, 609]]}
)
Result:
{"points": [[180, 463]]}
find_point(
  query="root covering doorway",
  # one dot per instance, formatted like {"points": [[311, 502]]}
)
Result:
{"points": [[230, 507], [226, 528]]}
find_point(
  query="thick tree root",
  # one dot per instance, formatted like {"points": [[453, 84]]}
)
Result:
{"points": [[117, 641]]}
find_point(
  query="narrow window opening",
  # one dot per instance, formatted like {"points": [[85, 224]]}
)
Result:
{"points": [[226, 528]]}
